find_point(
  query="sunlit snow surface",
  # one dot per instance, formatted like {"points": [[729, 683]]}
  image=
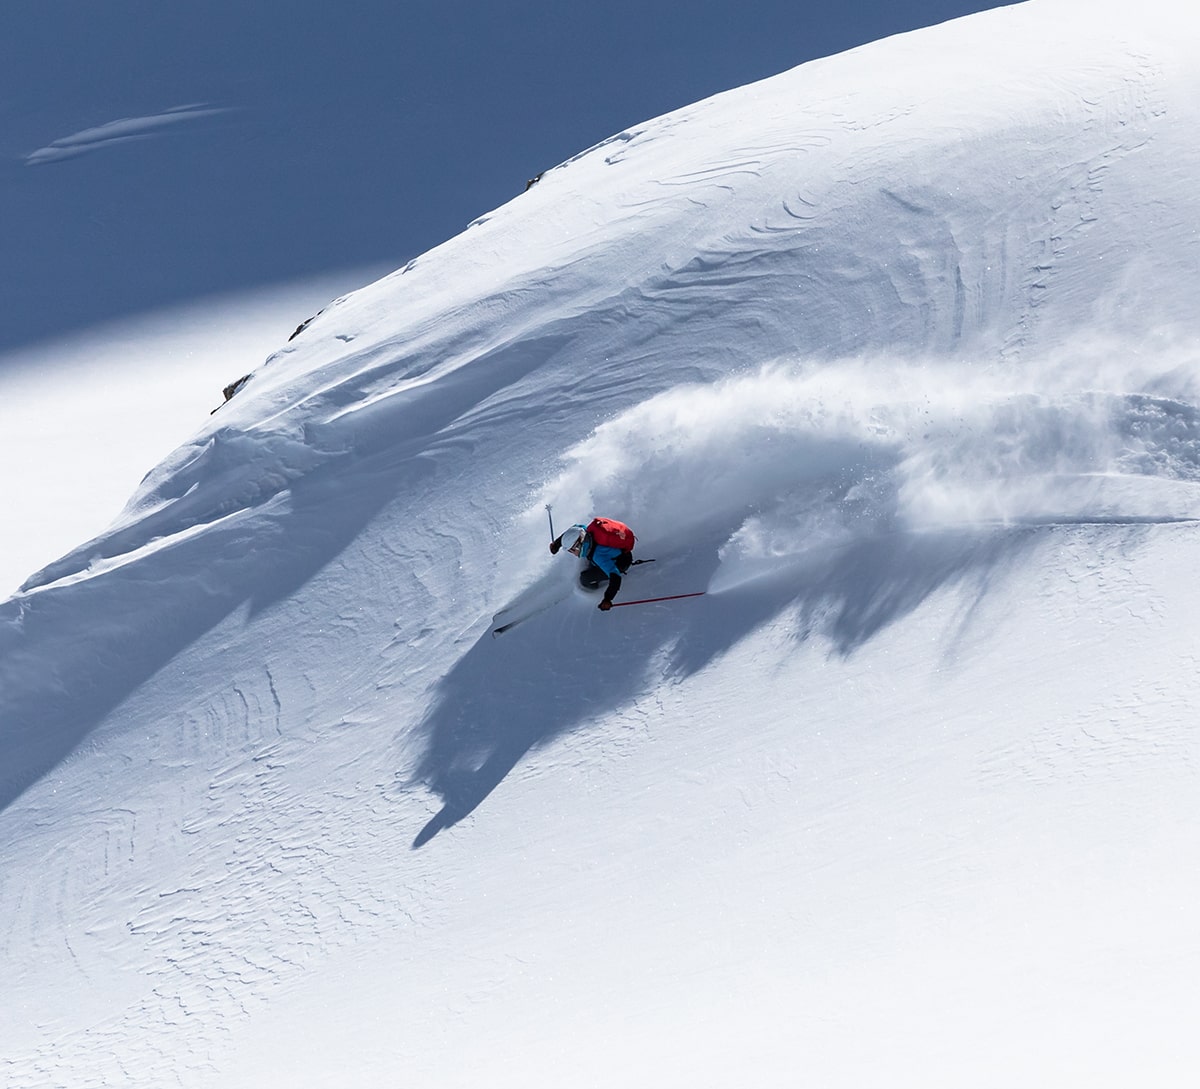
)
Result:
{"points": [[895, 356]]}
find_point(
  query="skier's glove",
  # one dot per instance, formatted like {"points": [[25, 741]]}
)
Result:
{"points": [[604, 606], [555, 545]]}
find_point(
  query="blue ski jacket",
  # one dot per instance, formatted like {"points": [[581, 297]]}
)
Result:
{"points": [[604, 557]]}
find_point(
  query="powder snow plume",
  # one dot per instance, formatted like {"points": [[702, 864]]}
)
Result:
{"points": [[794, 459]]}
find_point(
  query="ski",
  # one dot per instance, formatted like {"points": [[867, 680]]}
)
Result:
{"points": [[537, 609], [529, 613], [519, 620]]}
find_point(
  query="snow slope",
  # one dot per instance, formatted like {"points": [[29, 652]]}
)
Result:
{"points": [[893, 354], [133, 389]]}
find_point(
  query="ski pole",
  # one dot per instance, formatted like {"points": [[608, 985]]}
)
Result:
{"points": [[647, 600], [551, 517]]}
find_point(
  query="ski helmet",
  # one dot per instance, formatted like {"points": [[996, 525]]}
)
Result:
{"points": [[572, 539]]}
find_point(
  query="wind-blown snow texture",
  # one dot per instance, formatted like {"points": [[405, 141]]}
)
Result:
{"points": [[895, 354]]}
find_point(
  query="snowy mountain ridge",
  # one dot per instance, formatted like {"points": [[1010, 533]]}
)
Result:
{"points": [[893, 356]]}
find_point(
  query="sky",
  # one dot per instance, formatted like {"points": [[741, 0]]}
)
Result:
{"points": [[267, 142]]}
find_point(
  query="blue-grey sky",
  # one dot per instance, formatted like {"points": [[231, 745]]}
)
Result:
{"points": [[348, 134]]}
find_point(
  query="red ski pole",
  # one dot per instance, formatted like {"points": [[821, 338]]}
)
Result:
{"points": [[648, 600]]}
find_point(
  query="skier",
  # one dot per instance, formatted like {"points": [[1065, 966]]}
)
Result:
{"points": [[606, 546]]}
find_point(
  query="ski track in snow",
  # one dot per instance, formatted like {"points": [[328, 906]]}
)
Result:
{"points": [[882, 369]]}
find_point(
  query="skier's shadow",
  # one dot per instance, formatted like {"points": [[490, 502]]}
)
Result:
{"points": [[510, 694], [573, 664]]}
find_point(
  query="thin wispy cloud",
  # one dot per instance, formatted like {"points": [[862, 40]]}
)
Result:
{"points": [[120, 131]]}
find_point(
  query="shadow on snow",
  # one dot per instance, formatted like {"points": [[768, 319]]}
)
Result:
{"points": [[62, 672], [559, 670]]}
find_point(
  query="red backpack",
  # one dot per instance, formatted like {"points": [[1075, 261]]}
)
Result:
{"points": [[611, 534]]}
